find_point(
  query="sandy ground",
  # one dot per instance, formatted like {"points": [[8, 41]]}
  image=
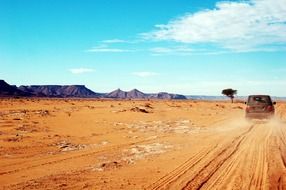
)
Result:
{"points": [[95, 144]]}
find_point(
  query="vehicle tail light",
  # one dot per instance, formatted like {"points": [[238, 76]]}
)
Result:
{"points": [[270, 108], [247, 108]]}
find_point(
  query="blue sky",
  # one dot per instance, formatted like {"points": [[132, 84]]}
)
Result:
{"points": [[188, 47]]}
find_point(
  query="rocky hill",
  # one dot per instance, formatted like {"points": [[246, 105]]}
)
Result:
{"points": [[116, 94], [63, 91], [77, 91], [11, 90], [136, 94], [165, 95], [133, 94]]}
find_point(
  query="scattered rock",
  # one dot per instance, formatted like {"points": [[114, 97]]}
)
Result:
{"points": [[63, 185], [26, 128], [107, 166], [91, 107], [44, 112], [238, 107], [113, 164], [138, 109], [138, 152], [221, 106], [67, 146], [148, 105], [13, 139], [118, 111], [180, 126]]}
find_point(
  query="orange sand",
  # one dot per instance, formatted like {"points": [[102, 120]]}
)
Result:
{"points": [[102, 144]]}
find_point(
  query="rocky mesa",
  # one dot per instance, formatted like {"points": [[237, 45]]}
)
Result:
{"points": [[78, 91]]}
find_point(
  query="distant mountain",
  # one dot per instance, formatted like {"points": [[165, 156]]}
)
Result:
{"points": [[116, 94], [78, 91], [204, 97], [30, 90], [11, 90], [62, 91], [165, 95], [136, 94], [133, 94]]}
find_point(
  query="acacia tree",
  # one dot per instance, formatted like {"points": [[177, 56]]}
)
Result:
{"points": [[229, 92]]}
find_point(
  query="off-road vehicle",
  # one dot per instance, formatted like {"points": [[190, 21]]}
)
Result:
{"points": [[259, 107]]}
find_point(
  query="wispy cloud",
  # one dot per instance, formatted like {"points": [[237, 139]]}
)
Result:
{"points": [[113, 41], [184, 51], [81, 70], [121, 41], [110, 50], [145, 74], [104, 48], [238, 26], [172, 50]]}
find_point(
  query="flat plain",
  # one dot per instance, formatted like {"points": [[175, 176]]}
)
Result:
{"points": [[139, 144]]}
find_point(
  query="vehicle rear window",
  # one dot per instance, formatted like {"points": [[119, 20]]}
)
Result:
{"points": [[259, 100]]}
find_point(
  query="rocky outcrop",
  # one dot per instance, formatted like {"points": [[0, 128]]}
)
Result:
{"points": [[77, 91], [136, 94], [7, 90], [63, 91]]}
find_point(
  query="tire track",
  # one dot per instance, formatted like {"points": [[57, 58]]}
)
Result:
{"points": [[256, 159], [276, 159], [108, 149], [250, 161], [214, 165], [181, 170], [222, 154]]}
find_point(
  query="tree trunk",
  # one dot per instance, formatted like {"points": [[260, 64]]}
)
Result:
{"points": [[231, 100]]}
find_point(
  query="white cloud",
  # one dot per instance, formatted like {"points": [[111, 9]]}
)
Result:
{"points": [[145, 74], [114, 41], [163, 50], [238, 26], [182, 50], [120, 41], [81, 70], [106, 50]]}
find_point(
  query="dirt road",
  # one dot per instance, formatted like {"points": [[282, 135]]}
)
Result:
{"points": [[254, 159], [175, 145]]}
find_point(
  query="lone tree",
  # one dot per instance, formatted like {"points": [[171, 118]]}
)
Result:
{"points": [[229, 93]]}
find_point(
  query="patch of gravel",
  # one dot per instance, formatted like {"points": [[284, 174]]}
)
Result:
{"points": [[180, 126], [130, 156], [67, 146], [138, 152]]}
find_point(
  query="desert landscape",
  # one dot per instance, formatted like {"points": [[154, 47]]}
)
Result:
{"points": [[142, 95], [138, 144]]}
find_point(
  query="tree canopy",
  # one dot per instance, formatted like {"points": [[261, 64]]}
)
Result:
{"points": [[229, 92]]}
